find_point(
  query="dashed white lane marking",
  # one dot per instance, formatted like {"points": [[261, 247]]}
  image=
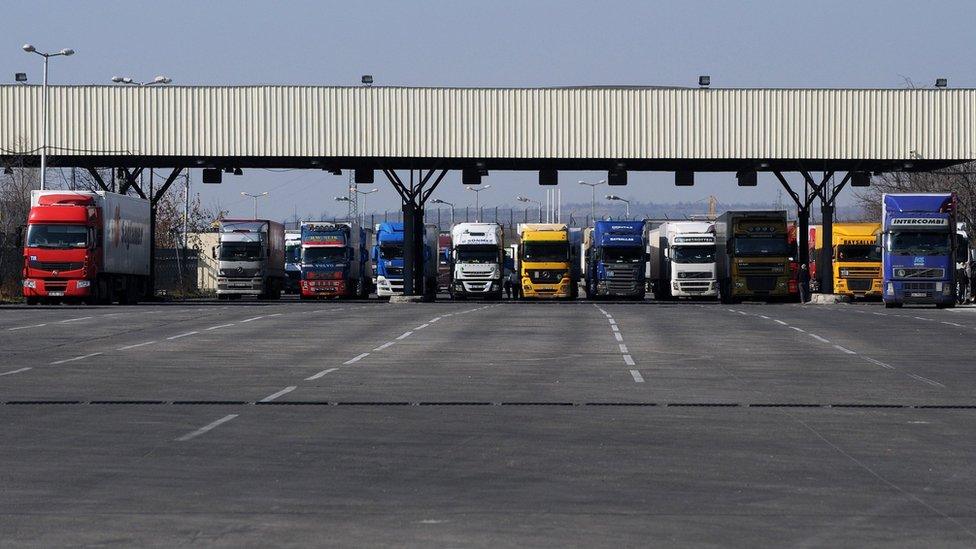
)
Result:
{"points": [[780, 322], [250, 319], [764, 316], [178, 336], [880, 314], [615, 328], [628, 360], [404, 335], [205, 428], [931, 382], [74, 319], [15, 371], [878, 362], [612, 321], [953, 324], [356, 358], [618, 336], [384, 346], [844, 349], [743, 313], [637, 376], [320, 374], [219, 326], [82, 357], [801, 330], [143, 344], [276, 314], [623, 348], [818, 338], [273, 396], [422, 326], [26, 327], [435, 319]]}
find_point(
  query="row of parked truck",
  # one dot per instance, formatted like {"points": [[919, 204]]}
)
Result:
{"points": [[95, 247]]}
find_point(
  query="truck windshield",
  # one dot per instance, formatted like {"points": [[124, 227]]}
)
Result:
{"points": [[751, 246], [323, 255], [623, 255], [545, 251], [293, 253], [693, 254], [858, 252], [391, 251], [240, 251], [911, 243], [57, 236], [477, 254]]}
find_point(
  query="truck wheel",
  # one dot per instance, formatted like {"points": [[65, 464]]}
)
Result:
{"points": [[31, 300], [892, 305]]}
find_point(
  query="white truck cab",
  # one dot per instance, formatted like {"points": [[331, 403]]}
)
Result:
{"points": [[682, 260], [477, 260]]}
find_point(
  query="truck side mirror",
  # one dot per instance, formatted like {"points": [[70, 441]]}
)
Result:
{"points": [[20, 236], [667, 253], [213, 252]]}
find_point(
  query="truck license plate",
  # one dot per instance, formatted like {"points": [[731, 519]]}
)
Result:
{"points": [[240, 285], [56, 294], [917, 294]]}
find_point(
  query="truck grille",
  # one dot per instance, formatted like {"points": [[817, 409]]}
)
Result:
{"points": [[694, 286], [760, 268], [862, 272], [394, 271], [916, 272], [918, 286], [621, 280], [696, 274], [240, 273], [476, 275], [546, 276], [55, 285], [859, 284], [761, 283], [48, 266]]}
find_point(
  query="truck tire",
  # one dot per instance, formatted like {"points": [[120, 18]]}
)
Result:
{"points": [[31, 300], [892, 305]]}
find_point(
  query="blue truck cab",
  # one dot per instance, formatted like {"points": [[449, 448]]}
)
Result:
{"points": [[918, 249], [614, 259], [387, 257]]}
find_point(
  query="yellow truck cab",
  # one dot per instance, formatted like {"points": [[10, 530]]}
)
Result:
{"points": [[544, 261], [857, 258]]}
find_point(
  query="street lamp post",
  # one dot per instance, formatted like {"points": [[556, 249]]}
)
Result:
{"points": [[363, 193], [65, 52], [255, 197], [624, 200], [521, 198], [593, 187], [477, 198], [451, 204]]}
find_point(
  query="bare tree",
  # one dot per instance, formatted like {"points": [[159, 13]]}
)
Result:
{"points": [[960, 179]]}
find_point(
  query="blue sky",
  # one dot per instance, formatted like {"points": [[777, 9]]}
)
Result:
{"points": [[498, 43]]}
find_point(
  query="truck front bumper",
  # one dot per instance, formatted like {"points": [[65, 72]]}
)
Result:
{"points": [[930, 292], [694, 288], [240, 286], [477, 287], [531, 290], [858, 287], [70, 288], [324, 288]]}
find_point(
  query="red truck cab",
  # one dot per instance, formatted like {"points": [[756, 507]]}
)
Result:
{"points": [[60, 252]]}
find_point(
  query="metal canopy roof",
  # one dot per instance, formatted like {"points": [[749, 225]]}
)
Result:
{"points": [[637, 128]]}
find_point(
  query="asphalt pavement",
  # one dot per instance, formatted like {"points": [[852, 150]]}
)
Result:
{"points": [[487, 424]]}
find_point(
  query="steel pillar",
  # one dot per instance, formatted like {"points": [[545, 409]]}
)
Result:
{"points": [[826, 260], [413, 196]]}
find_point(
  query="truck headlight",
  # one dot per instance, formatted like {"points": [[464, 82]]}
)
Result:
{"points": [[30, 284], [84, 283], [891, 289], [844, 273], [900, 273]]}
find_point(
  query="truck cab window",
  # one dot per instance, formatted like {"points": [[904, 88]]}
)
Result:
{"points": [[57, 236], [541, 252], [918, 243], [477, 254], [391, 251], [751, 246], [240, 251], [624, 255], [858, 252], [324, 255], [693, 254]]}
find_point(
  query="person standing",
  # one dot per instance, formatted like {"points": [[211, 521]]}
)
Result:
{"points": [[804, 283]]}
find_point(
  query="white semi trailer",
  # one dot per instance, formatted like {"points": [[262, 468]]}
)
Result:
{"points": [[477, 260], [682, 260]]}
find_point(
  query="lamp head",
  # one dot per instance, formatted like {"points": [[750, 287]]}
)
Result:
{"points": [[28, 48], [117, 79], [67, 52]]}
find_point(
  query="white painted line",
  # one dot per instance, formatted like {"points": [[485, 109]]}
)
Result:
{"points": [[182, 335], [780, 322], [276, 314], [623, 348], [356, 358], [878, 362], [143, 344], [927, 380], [923, 318], [320, 374], [74, 319], [844, 349], [637, 376], [250, 319], [731, 310], [404, 335], [618, 336], [880, 314], [284, 391], [435, 319], [206, 428], [944, 322], [25, 327], [447, 315], [615, 328], [628, 360], [818, 338], [219, 326], [384, 346], [764, 316], [743, 313], [82, 357], [15, 371], [801, 330], [612, 321], [422, 326]]}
